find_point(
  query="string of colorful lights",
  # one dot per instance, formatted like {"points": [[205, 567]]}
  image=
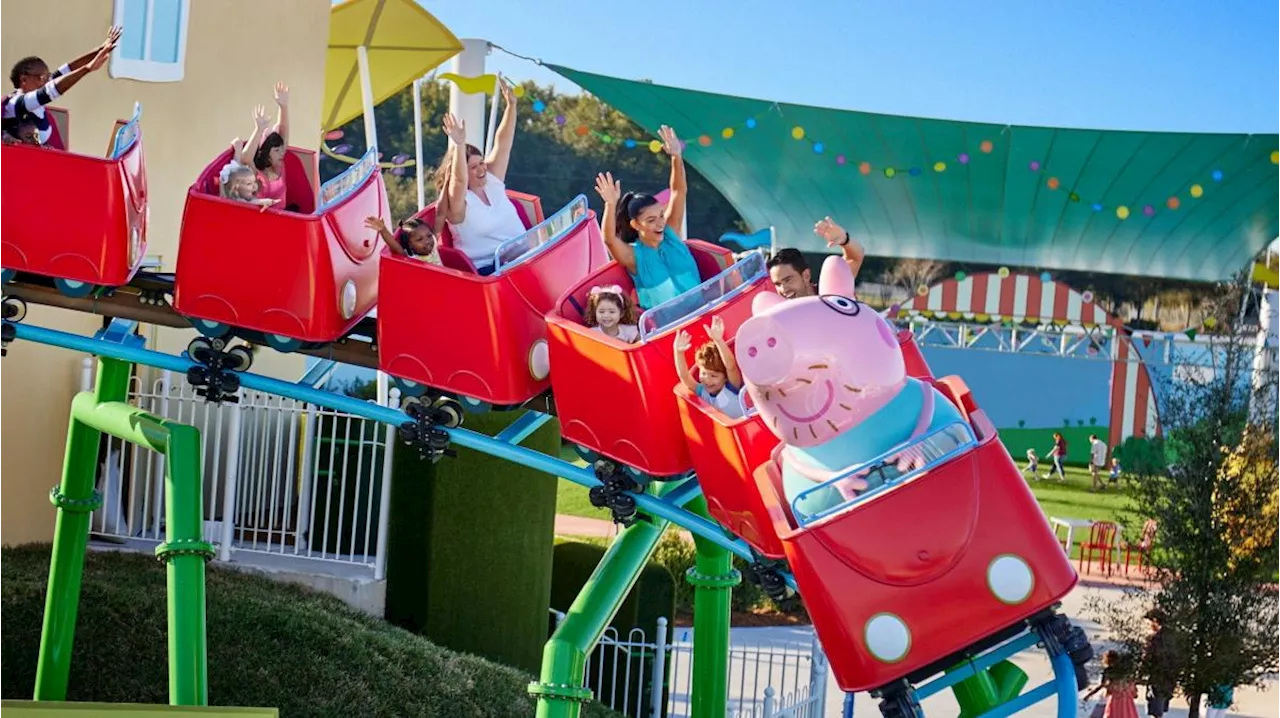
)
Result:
{"points": [[962, 156]]}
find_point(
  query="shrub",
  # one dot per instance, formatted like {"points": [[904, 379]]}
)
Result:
{"points": [[269, 645]]}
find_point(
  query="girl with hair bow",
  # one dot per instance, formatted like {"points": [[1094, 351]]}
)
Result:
{"points": [[238, 183], [610, 312]]}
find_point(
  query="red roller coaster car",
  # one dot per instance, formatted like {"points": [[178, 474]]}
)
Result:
{"points": [[295, 277], [926, 565], [615, 398], [104, 243], [484, 338], [725, 451]]}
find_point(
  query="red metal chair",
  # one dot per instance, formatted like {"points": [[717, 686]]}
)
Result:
{"points": [[1141, 549], [1102, 538]]}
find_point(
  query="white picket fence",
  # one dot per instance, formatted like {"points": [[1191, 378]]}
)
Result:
{"points": [[766, 680], [284, 480]]}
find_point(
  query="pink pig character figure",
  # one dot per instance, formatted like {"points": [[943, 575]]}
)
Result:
{"points": [[828, 378]]}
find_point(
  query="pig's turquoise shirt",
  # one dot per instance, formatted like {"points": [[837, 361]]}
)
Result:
{"points": [[891, 425]]}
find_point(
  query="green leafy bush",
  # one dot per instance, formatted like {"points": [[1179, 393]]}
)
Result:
{"points": [[269, 645]]}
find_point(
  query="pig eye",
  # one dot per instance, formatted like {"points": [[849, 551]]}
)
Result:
{"points": [[843, 305]]}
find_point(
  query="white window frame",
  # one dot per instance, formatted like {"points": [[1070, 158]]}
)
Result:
{"points": [[149, 70]]}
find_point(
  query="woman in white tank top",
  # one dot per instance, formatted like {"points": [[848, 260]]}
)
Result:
{"points": [[472, 195]]}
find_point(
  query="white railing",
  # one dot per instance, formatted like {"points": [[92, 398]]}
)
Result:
{"points": [[766, 680], [283, 479]]}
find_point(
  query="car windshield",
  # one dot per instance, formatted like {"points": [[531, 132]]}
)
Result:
{"points": [[704, 297], [351, 179], [127, 136], [540, 236], [881, 474]]}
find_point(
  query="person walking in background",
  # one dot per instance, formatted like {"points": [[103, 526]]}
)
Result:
{"points": [[1160, 661], [1097, 462], [1033, 465], [1057, 454], [1117, 681]]}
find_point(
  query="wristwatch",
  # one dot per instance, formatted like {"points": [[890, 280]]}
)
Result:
{"points": [[846, 239]]}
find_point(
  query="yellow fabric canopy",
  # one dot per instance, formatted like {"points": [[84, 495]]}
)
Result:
{"points": [[403, 40]]}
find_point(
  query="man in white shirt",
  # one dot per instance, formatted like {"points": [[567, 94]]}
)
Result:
{"points": [[1097, 461]]}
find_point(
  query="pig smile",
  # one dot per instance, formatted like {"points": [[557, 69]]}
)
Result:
{"points": [[826, 405]]}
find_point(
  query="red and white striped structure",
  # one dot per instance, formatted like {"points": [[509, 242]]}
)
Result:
{"points": [[988, 297]]}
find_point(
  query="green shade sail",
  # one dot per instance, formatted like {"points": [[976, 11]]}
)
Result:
{"points": [[1160, 204]]}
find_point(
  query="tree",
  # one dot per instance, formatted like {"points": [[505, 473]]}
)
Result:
{"points": [[550, 159], [910, 274], [1214, 493]]}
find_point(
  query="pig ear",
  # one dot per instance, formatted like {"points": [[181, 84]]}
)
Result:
{"points": [[836, 278], [764, 300]]}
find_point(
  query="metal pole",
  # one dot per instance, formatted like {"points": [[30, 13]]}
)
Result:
{"points": [[366, 98], [713, 578], [560, 692], [417, 142], [86, 374], [659, 669], [231, 482], [492, 130], [185, 552], [384, 499], [1262, 401], [157, 461], [467, 107], [76, 499]]}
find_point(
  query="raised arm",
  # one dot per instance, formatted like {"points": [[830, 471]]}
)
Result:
{"points": [[836, 236], [282, 116], [683, 342], [64, 78], [679, 185], [455, 186], [611, 192], [250, 147], [716, 332], [379, 226], [500, 154], [113, 38]]}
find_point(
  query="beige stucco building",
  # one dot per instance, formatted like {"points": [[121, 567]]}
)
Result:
{"points": [[205, 64]]}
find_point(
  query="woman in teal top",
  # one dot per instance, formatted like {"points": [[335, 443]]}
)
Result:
{"points": [[644, 238]]}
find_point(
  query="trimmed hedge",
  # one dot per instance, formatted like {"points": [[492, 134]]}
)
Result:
{"points": [[469, 547], [270, 645]]}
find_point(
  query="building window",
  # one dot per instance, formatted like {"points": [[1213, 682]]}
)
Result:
{"points": [[153, 44]]}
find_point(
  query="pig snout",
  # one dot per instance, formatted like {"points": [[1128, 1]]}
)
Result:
{"points": [[763, 352]]}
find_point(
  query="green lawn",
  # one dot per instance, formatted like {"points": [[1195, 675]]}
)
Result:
{"points": [[1064, 500], [571, 499], [1073, 500]]}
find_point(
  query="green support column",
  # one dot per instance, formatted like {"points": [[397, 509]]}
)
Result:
{"points": [[713, 578], [185, 553], [93, 414], [560, 692], [75, 498]]}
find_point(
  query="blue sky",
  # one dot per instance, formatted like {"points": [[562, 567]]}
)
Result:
{"points": [[1117, 64]]}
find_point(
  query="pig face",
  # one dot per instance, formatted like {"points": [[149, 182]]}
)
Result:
{"points": [[817, 366]]}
